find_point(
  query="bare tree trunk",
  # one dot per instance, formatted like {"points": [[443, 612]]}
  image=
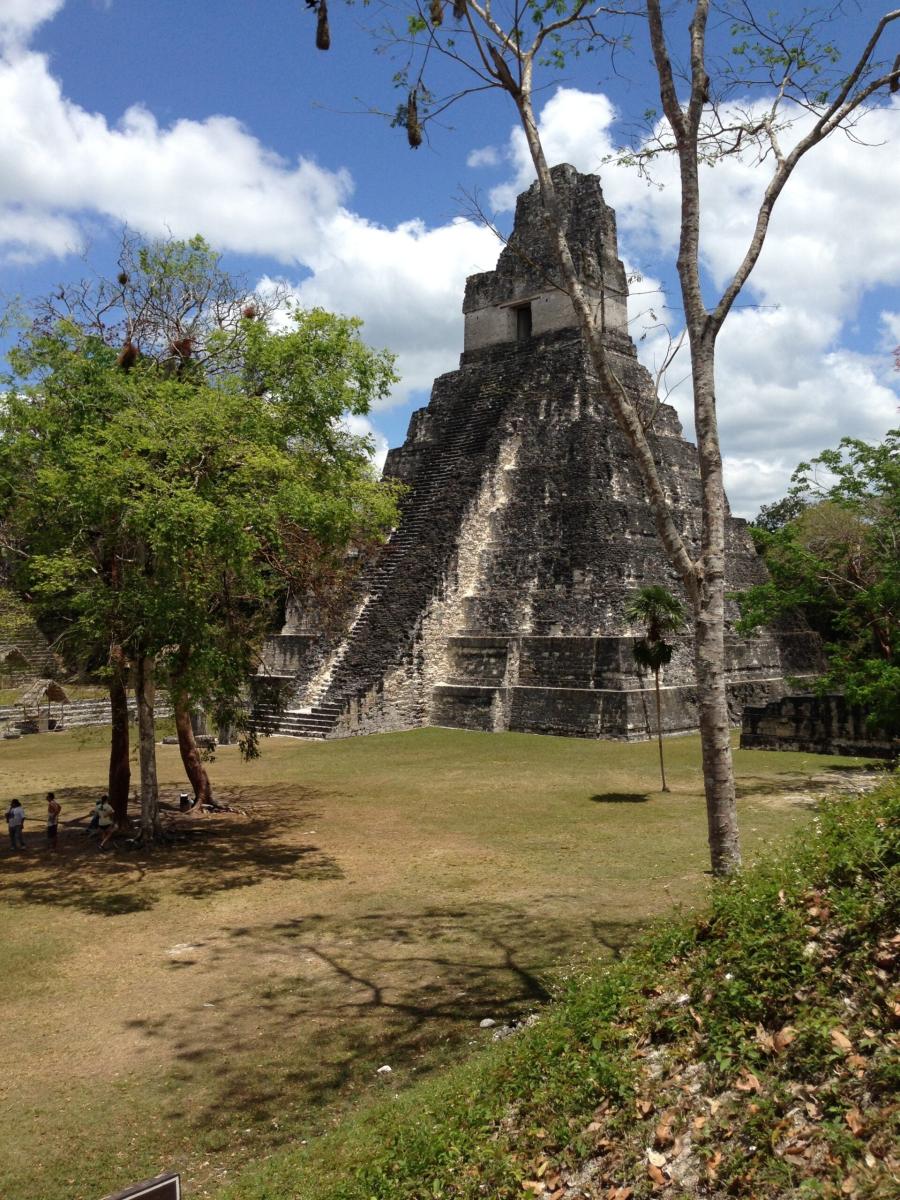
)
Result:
{"points": [[704, 580], [190, 755], [709, 622], [119, 765], [662, 765], [709, 626], [145, 688], [715, 742]]}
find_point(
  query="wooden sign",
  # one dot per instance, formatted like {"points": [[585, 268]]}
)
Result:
{"points": [[162, 1187]]}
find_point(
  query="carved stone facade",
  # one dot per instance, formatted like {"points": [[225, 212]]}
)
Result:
{"points": [[815, 725], [499, 601]]}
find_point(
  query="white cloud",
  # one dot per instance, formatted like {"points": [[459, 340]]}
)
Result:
{"points": [[363, 427], [487, 156], [774, 403], [890, 327], [651, 323], [210, 175], [64, 165], [30, 236], [20, 18], [757, 483], [575, 128], [406, 283]]}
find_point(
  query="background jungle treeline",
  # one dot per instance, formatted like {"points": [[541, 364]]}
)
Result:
{"points": [[832, 547]]}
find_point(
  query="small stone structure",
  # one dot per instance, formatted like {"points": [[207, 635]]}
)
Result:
{"points": [[499, 601], [815, 725], [25, 655], [72, 714]]}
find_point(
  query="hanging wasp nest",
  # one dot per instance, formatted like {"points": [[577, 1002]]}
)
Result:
{"points": [[128, 355], [413, 128], [502, 71], [323, 33]]}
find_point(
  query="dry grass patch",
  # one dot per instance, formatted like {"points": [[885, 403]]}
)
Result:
{"points": [[371, 901]]}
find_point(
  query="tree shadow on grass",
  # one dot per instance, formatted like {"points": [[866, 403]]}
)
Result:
{"points": [[796, 790], [620, 798], [206, 855], [342, 998], [765, 785], [615, 937], [816, 780]]}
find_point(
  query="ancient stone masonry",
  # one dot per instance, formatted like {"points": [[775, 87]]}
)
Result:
{"points": [[499, 601], [815, 725], [24, 652]]}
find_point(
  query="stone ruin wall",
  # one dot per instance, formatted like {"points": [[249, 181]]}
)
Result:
{"points": [[544, 664], [815, 724], [25, 655], [499, 602]]}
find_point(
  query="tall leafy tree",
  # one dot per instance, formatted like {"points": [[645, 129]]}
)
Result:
{"points": [[660, 613], [781, 92], [156, 505], [838, 562]]}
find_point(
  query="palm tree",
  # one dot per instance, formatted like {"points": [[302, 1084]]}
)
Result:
{"points": [[660, 613]]}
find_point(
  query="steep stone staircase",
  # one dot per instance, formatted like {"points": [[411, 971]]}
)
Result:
{"points": [[18, 632], [450, 465]]}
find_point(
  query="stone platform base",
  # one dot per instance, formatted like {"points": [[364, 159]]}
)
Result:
{"points": [[814, 725], [587, 686]]}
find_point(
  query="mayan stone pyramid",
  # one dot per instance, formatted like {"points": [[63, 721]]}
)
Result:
{"points": [[498, 603]]}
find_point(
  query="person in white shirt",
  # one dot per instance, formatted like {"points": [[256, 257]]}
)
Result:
{"points": [[106, 823], [15, 819]]}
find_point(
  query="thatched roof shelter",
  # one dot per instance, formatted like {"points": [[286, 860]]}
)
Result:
{"points": [[41, 691]]}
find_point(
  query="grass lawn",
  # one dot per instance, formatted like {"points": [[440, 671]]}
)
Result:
{"points": [[374, 899]]}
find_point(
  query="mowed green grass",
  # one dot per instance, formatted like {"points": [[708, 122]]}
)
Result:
{"points": [[371, 902]]}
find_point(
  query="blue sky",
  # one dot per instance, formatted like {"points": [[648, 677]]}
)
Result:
{"points": [[222, 118]]}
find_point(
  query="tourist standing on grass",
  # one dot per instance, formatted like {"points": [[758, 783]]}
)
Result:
{"points": [[15, 819], [94, 822], [105, 818], [54, 808]]}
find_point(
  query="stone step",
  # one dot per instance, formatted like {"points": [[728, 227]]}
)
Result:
{"points": [[300, 727], [410, 568], [305, 726]]}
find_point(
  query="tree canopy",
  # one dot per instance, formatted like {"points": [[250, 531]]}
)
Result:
{"points": [[837, 560], [171, 462]]}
